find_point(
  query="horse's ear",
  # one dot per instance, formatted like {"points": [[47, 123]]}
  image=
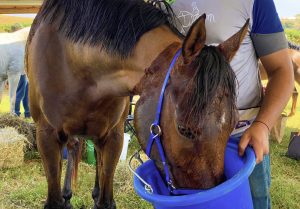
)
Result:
{"points": [[195, 40], [231, 45]]}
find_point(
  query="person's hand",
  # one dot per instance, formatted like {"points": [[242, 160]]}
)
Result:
{"points": [[257, 135]]}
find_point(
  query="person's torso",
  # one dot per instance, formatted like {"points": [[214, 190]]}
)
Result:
{"points": [[223, 19]]}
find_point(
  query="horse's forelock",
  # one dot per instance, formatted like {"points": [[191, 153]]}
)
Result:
{"points": [[213, 73]]}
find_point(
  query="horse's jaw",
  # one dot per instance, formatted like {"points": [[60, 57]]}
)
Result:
{"points": [[144, 115]]}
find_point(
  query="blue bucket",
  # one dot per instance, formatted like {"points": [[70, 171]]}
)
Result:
{"points": [[234, 193]]}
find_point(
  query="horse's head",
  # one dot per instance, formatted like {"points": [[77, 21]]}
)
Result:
{"points": [[199, 107]]}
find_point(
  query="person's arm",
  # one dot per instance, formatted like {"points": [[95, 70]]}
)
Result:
{"points": [[271, 47], [279, 89]]}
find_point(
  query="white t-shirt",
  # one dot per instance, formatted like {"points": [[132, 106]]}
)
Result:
{"points": [[225, 18]]}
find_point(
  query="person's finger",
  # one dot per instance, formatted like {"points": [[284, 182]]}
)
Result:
{"points": [[259, 153], [266, 149], [243, 143]]}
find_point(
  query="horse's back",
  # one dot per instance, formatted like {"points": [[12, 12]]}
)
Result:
{"points": [[12, 50], [17, 36], [21, 34]]}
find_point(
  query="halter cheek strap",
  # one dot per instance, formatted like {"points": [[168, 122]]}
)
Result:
{"points": [[155, 130], [155, 133]]}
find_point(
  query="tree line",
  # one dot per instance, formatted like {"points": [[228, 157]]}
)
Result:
{"points": [[292, 28]]}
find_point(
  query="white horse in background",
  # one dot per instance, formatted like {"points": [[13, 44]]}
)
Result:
{"points": [[12, 50]]}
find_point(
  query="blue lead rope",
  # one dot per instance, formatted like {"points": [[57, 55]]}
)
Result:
{"points": [[155, 133]]}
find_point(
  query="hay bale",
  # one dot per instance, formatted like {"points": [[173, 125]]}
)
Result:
{"points": [[11, 148], [21, 125]]}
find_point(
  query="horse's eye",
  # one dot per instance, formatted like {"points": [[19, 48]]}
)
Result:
{"points": [[186, 132]]}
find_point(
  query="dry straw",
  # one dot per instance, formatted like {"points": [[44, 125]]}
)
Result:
{"points": [[11, 148], [22, 126]]}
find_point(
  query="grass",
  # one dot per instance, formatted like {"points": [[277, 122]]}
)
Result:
{"points": [[285, 172], [285, 189], [7, 21], [4, 105], [25, 187]]}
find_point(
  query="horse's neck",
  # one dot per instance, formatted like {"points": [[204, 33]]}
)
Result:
{"points": [[150, 46], [126, 72], [149, 89]]}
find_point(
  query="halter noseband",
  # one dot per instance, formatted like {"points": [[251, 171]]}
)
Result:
{"points": [[155, 133]]}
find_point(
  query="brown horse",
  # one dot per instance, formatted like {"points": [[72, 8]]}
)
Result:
{"points": [[295, 55], [294, 52], [94, 56]]}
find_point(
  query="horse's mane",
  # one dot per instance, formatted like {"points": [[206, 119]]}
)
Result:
{"points": [[116, 25], [213, 72], [294, 46]]}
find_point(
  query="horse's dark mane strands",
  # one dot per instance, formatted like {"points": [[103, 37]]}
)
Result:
{"points": [[208, 79], [106, 22], [294, 46]]}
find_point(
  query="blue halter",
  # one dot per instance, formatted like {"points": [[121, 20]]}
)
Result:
{"points": [[155, 133]]}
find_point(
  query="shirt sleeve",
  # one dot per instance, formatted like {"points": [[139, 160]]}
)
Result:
{"points": [[267, 32]]}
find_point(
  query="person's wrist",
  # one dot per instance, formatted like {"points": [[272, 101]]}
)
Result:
{"points": [[263, 124]]}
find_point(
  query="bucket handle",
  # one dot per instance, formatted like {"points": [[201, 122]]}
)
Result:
{"points": [[137, 156]]}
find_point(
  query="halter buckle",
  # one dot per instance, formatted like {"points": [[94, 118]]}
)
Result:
{"points": [[155, 130], [170, 184]]}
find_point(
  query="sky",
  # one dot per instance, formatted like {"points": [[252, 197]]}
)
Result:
{"points": [[285, 8]]}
